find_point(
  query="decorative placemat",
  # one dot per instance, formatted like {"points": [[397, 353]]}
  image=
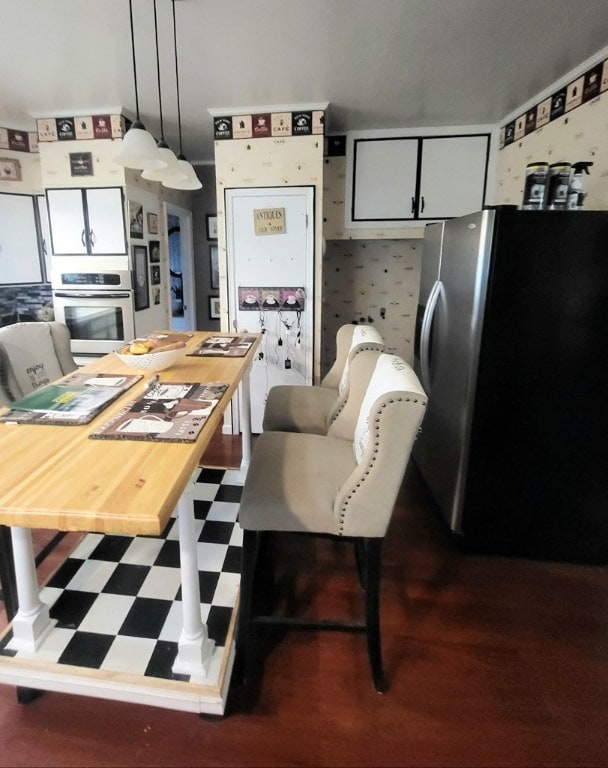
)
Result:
{"points": [[166, 412], [75, 400], [223, 346]]}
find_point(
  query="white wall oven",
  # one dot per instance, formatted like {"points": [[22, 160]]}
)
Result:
{"points": [[96, 306]]}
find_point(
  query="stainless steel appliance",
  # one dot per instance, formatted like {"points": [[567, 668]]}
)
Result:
{"points": [[96, 305], [512, 349]]}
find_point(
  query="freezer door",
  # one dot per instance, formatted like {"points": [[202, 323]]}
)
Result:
{"points": [[442, 446]]}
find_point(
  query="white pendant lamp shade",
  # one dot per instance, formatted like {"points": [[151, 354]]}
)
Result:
{"points": [[184, 176], [171, 166], [139, 150]]}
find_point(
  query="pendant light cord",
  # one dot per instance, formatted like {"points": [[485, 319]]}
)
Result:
{"points": [[179, 116], [160, 103], [134, 64]]}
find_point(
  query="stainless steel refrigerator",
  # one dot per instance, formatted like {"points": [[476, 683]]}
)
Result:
{"points": [[512, 349]]}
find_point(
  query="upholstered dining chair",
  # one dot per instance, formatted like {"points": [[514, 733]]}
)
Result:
{"points": [[311, 409], [35, 354], [342, 485], [32, 354]]}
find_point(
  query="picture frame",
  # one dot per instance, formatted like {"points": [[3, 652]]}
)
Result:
{"points": [[136, 219], [156, 295], [154, 246], [214, 307], [214, 270], [211, 219], [152, 224], [10, 169], [141, 293], [155, 274]]}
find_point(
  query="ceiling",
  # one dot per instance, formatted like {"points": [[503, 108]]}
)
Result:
{"points": [[379, 63]]}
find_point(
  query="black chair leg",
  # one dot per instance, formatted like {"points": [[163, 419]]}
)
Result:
{"points": [[7, 573], [373, 562], [360, 561], [244, 636]]}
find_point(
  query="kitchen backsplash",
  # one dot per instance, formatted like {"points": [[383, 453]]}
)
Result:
{"points": [[24, 303], [375, 282]]}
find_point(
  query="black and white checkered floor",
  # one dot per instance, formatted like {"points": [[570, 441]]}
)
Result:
{"points": [[117, 599]]}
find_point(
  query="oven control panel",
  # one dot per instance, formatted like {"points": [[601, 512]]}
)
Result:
{"points": [[99, 280], [90, 278]]}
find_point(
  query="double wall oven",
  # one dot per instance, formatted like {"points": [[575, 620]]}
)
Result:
{"points": [[94, 298]]}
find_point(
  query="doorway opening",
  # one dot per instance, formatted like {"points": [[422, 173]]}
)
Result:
{"points": [[181, 268]]}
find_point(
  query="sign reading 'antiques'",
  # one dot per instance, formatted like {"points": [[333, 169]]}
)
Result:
{"points": [[269, 221]]}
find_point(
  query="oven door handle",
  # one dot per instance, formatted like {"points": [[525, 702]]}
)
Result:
{"points": [[90, 295]]}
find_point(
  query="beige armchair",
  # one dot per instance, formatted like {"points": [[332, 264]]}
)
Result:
{"points": [[342, 485], [311, 409], [33, 354]]}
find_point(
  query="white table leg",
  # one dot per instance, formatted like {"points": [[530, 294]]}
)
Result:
{"points": [[195, 648], [245, 420], [32, 622]]}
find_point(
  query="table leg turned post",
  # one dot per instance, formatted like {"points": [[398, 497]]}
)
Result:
{"points": [[195, 649], [32, 622]]}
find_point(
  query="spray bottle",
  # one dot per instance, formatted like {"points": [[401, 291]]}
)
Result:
{"points": [[576, 191]]}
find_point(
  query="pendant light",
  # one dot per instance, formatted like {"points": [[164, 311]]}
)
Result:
{"points": [[167, 154], [184, 175], [138, 149]]}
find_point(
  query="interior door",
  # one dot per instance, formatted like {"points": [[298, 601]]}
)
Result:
{"points": [[270, 249]]}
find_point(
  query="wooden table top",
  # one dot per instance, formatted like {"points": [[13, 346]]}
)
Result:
{"points": [[56, 477]]}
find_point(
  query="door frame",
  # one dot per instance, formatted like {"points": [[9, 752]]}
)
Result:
{"points": [[187, 254]]}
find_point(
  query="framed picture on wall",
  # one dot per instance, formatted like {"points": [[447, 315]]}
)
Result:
{"points": [[136, 219], [214, 307], [154, 251], [211, 226], [140, 277], [214, 271], [155, 270], [153, 223]]}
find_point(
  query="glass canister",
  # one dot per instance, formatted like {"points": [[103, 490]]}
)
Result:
{"points": [[558, 181], [535, 186]]}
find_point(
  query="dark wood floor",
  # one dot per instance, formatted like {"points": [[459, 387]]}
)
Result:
{"points": [[492, 662]]}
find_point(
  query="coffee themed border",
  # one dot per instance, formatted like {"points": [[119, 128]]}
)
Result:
{"points": [[580, 91]]}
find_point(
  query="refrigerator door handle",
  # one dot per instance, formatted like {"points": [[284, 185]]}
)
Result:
{"points": [[425, 334]]}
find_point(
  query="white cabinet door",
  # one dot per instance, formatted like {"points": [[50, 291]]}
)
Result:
{"points": [[19, 254], [452, 176], [106, 220], [384, 179], [87, 221], [66, 216]]}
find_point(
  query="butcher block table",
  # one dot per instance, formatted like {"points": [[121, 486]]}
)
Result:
{"points": [[56, 477]]}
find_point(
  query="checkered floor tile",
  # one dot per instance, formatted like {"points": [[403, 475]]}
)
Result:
{"points": [[117, 599]]}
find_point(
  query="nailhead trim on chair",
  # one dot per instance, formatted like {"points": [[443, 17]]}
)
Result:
{"points": [[360, 348], [373, 458]]}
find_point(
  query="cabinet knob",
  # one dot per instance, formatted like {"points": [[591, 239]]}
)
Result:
{"points": [[413, 205], [82, 238], [422, 204]]}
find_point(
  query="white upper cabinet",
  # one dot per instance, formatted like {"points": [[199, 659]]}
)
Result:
{"points": [[397, 180], [452, 176], [87, 221], [19, 248]]}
